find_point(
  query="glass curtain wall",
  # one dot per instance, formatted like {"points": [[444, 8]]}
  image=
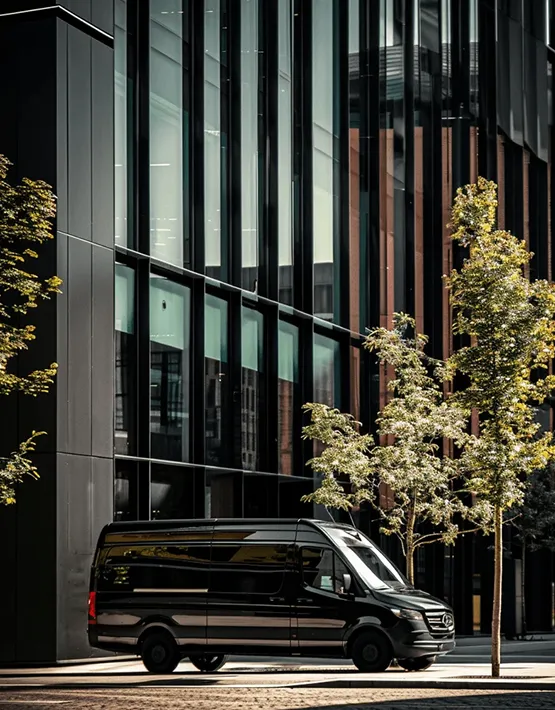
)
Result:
{"points": [[126, 371], [216, 375], [249, 10], [214, 145], [288, 394], [166, 130], [252, 386], [170, 318], [285, 151], [120, 123], [325, 127]]}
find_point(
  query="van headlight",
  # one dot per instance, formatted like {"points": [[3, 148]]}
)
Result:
{"points": [[408, 614]]}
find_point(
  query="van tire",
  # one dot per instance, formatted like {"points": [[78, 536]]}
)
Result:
{"points": [[208, 663], [159, 653], [417, 664], [371, 652]]}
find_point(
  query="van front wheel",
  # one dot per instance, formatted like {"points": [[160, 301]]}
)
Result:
{"points": [[208, 663], [160, 653], [372, 653], [416, 664]]}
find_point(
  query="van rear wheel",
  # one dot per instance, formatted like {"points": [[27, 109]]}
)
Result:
{"points": [[417, 664], [371, 653], [208, 663], [159, 653]]}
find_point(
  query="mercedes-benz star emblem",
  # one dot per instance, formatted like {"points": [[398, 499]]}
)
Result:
{"points": [[447, 620]]}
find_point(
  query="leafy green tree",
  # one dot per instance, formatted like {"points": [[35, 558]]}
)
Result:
{"points": [[26, 217], [425, 503], [511, 332]]}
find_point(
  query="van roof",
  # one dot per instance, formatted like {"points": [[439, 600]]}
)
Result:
{"points": [[136, 525]]}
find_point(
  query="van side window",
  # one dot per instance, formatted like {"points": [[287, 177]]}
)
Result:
{"points": [[164, 566], [247, 569], [322, 569]]}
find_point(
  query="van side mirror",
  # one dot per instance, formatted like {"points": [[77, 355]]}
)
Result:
{"points": [[347, 583]]}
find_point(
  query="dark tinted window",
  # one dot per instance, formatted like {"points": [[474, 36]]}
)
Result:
{"points": [[248, 569], [136, 567], [322, 569]]}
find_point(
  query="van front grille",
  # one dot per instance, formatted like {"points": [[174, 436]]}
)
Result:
{"points": [[441, 623]]}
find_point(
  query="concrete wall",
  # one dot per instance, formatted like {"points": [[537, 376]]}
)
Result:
{"points": [[56, 124]]}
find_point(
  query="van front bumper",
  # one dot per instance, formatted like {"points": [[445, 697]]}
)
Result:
{"points": [[418, 642]]}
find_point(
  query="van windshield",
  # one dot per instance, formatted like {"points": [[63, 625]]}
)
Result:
{"points": [[375, 568]]}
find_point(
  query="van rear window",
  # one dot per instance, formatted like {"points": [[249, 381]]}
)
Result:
{"points": [[136, 567]]}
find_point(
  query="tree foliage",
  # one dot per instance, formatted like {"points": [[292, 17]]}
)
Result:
{"points": [[508, 321], [424, 503], [27, 212]]}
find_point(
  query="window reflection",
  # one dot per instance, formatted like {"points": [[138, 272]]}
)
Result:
{"points": [[120, 122], [288, 394], [126, 492], [126, 348], [285, 148], [249, 142], [215, 376], [324, 136], [169, 367], [171, 492], [326, 371], [252, 383], [166, 130]]}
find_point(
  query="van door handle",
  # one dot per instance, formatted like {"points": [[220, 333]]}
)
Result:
{"points": [[279, 600], [304, 600]]}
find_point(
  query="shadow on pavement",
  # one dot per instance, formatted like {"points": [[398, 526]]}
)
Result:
{"points": [[539, 700]]}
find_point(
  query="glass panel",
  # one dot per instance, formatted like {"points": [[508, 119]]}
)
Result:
{"points": [[223, 494], [120, 123], [326, 371], [249, 142], [252, 369], [355, 285], [212, 139], [170, 320], [216, 372], [260, 495], [171, 492], [126, 373], [247, 569], [166, 130], [323, 66], [126, 494], [285, 151], [288, 394]]}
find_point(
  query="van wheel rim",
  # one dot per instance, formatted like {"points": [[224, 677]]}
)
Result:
{"points": [[158, 654], [370, 653]]}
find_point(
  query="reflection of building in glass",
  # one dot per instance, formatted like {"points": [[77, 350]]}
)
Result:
{"points": [[276, 181]]}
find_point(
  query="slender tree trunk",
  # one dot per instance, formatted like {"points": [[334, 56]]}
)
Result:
{"points": [[497, 587], [409, 561]]}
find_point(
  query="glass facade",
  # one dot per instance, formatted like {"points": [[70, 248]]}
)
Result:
{"points": [[283, 177]]}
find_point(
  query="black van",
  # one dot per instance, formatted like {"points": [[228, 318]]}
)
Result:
{"points": [[206, 588]]}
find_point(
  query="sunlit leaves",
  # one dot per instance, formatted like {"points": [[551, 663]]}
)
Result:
{"points": [[511, 327], [26, 218], [414, 422]]}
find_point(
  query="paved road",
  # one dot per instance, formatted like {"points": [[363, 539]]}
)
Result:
{"points": [[276, 699]]}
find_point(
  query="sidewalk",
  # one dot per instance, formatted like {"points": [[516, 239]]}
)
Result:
{"points": [[285, 673]]}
